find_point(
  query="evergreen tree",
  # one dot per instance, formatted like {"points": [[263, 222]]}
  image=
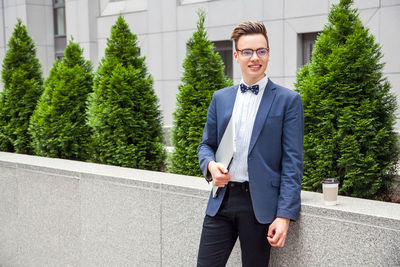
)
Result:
{"points": [[203, 74], [348, 108], [123, 110], [58, 124], [22, 79]]}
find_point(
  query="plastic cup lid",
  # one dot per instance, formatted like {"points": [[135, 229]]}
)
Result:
{"points": [[330, 181]]}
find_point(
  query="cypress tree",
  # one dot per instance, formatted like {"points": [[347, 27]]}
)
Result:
{"points": [[58, 124], [123, 110], [348, 108], [203, 74], [22, 79]]}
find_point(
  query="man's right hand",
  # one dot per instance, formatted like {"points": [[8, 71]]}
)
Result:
{"points": [[219, 173]]}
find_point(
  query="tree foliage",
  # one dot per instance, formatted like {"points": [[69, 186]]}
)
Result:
{"points": [[123, 110], [348, 108], [23, 85], [203, 74], [58, 124]]}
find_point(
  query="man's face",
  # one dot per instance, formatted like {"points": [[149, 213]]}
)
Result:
{"points": [[253, 67]]}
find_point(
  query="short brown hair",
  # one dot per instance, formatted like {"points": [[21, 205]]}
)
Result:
{"points": [[249, 27]]}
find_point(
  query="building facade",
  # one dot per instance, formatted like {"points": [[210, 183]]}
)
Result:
{"points": [[164, 26]]}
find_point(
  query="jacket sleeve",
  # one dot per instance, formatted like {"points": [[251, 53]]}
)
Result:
{"points": [[289, 201], [209, 142]]}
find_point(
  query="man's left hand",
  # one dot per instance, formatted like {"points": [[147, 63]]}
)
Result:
{"points": [[277, 232]]}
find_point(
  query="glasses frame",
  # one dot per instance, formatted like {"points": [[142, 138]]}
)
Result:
{"points": [[252, 52]]}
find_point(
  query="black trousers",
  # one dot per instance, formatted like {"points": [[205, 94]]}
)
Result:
{"points": [[234, 219]]}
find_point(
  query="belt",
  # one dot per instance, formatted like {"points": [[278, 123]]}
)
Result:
{"points": [[244, 185]]}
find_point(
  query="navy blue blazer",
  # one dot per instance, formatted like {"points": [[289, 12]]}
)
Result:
{"points": [[275, 158]]}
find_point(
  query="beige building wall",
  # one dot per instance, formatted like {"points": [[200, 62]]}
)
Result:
{"points": [[164, 26]]}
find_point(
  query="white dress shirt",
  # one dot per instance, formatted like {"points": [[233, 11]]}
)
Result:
{"points": [[244, 114]]}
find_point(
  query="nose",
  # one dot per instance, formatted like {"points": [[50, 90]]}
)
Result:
{"points": [[254, 56]]}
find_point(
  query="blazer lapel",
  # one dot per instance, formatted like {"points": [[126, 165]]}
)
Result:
{"points": [[229, 103], [227, 108], [263, 110]]}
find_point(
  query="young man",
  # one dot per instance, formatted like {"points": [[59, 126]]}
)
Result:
{"points": [[260, 193]]}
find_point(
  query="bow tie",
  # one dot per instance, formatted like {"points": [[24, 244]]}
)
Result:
{"points": [[253, 88]]}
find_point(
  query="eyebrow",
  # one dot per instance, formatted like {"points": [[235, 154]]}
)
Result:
{"points": [[253, 49]]}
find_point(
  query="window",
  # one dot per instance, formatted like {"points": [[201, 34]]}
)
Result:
{"points": [[224, 49], [60, 21], [306, 46], [60, 39]]}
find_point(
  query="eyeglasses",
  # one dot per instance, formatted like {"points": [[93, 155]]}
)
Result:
{"points": [[261, 52]]}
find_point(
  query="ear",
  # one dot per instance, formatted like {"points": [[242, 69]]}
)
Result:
{"points": [[235, 54]]}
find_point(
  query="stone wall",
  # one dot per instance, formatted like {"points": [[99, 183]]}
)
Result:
{"points": [[65, 213]]}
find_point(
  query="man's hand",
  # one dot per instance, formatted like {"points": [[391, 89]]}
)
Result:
{"points": [[277, 232], [219, 173]]}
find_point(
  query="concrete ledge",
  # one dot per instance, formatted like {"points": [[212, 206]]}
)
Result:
{"points": [[57, 212]]}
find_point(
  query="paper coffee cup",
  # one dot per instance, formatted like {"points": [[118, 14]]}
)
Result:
{"points": [[330, 188]]}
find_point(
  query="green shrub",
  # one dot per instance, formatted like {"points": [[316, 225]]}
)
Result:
{"points": [[23, 85], [58, 124], [123, 110], [203, 74], [348, 108]]}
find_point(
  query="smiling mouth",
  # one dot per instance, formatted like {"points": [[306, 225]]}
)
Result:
{"points": [[255, 67]]}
